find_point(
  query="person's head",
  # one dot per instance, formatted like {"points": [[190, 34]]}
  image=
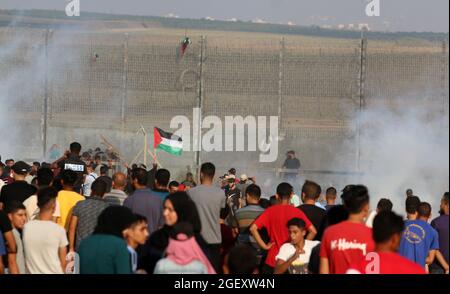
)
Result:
{"points": [[75, 148], [290, 154], [90, 168], [99, 188], [44, 177], [273, 200], [411, 205], [232, 171], [284, 192], [17, 214], [297, 230], [336, 214], [35, 167], [387, 230], [98, 159], [409, 193], [310, 192], [207, 172], [189, 177], [243, 179], [9, 162], [103, 170], [173, 186], [241, 260], [115, 220], [253, 194], [264, 203], [139, 178], [162, 178], [424, 211], [331, 195], [179, 207], [20, 170], [119, 181], [444, 204], [356, 200], [46, 199], [68, 179], [384, 205], [138, 232]]}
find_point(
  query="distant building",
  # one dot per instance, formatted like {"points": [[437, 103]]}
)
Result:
{"points": [[258, 20], [290, 23], [209, 18], [363, 26]]}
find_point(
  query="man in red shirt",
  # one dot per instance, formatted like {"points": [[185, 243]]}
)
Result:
{"points": [[347, 242], [274, 219], [387, 233]]}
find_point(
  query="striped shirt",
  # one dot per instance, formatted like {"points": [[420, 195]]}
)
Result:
{"points": [[87, 212], [244, 217]]}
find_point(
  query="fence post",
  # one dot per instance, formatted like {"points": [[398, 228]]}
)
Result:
{"points": [[361, 92], [280, 83], [198, 140], [444, 72], [124, 83], [44, 113]]}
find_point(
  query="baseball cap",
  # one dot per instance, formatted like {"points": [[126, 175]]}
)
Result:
{"points": [[21, 167]]}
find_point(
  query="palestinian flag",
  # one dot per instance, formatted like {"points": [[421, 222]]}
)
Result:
{"points": [[167, 142]]}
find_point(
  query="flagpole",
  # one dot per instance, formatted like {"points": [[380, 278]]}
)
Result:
{"points": [[145, 144]]}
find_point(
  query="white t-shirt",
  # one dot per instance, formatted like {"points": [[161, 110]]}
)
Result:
{"points": [[90, 178], [370, 218], [33, 210], [41, 242], [300, 265]]}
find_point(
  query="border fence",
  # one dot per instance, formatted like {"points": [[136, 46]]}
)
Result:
{"points": [[58, 86]]}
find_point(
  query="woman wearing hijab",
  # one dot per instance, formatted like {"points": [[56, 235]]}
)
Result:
{"points": [[178, 207], [183, 255], [105, 251]]}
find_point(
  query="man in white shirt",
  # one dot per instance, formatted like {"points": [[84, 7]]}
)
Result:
{"points": [[90, 178], [44, 241]]}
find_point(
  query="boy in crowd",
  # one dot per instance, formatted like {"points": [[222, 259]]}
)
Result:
{"points": [[241, 260], [17, 214], [294, 256], [45, 242], [136, 235], [347, 242]]}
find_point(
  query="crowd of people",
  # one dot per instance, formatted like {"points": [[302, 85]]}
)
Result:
{"points": [[79, 215]]}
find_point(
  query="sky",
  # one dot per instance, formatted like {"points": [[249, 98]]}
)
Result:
{"points": [[395, 15]]}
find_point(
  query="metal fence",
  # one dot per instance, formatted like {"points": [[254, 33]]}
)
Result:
{"points": [[59, 86]]}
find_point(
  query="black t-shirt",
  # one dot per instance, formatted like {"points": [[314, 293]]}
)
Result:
{"points": [[74, 163], [5, 224], [317, 216], [292, 163], [18, 191]]}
